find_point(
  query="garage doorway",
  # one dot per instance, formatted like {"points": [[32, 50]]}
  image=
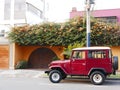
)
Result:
{"points": [[4, 56], [40, 58]]}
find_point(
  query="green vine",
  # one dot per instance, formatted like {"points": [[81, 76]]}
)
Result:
{"points": [[48, 34], [64, 34]]}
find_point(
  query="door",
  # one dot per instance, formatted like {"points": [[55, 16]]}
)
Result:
{"points": [[78, 63], [4, 56], [40, 58]]}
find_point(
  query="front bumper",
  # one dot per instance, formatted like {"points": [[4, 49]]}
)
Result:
{"points": [[47, 72]]}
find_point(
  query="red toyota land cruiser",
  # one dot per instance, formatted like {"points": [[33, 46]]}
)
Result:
{"points": [[94, 62]]}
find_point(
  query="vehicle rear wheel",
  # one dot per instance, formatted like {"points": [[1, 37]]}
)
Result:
{"points": [[55, 76], [97, 78]]}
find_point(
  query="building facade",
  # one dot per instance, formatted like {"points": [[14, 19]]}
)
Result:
{"points": [[107, 16], [16, 13], [19, 12]]}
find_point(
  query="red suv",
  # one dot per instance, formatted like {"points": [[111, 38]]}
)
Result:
{"points": [[94, 62]]}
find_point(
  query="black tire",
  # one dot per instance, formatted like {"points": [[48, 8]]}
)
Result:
{"points": [[64, 76], [97, 78], [55, 76], [115, 63]]}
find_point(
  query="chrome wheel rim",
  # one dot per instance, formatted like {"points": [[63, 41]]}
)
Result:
{"points": [[55, 76], [97, 78]]}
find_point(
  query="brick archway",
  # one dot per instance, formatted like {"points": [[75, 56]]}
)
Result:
{"points": [[40, 58]]}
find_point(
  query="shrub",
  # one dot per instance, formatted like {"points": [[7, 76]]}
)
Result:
{"points": [[52, 34], [22, 64], [55, 58], [64, 34], [68, 50]]}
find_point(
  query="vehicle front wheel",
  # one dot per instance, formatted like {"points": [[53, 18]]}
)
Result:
{"points": [[64, 76], [97, 78], [55, 76]]}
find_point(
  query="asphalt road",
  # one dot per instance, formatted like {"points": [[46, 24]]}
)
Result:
{"points": [[43, 83]]}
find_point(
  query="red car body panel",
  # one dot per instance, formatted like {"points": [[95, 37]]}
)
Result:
{"points": [[77, 66]]}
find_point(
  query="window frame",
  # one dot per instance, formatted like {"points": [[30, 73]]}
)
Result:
{"points": [[97, 54]]}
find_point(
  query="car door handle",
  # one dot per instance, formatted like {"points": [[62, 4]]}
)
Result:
{"points": [[83, 64]]}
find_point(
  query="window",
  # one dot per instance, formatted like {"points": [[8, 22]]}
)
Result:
{"points": [[110, 54], [110, 19], [7, 10], [19, 9], [2, 33], [34, 10], [97, 54], [79, 54]]}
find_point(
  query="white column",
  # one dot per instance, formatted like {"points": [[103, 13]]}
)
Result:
{"points": [[12, 13], [12, 45], [12, 56]]}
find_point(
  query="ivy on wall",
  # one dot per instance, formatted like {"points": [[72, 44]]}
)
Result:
{"points": [[49, 33], [105, 34], [64, 34]]}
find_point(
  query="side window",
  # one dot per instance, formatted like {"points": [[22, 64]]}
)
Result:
{"points": [[79, 54], [110, 54], [97, 54], [75, 53]]}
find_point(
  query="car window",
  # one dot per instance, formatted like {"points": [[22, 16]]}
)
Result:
{"points": [[97, 54], [110, 54], [79, 54]]}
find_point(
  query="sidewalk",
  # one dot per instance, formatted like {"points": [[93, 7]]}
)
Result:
{"points": [[30, 73]]}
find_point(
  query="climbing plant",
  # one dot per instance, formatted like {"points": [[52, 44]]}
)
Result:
{"points": [[49, 33], [103, 34], [64, 34]]}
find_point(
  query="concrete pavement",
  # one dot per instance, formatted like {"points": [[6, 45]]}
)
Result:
{"points": [[23, 73]]}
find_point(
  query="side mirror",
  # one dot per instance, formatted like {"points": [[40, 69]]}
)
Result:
{"points": [[66, 57]]}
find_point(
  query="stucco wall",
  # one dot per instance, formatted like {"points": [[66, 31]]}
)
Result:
{"points": [[116, 52], [23, 52]]}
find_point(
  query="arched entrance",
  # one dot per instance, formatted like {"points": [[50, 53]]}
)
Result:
{"points": [[40, 58]]}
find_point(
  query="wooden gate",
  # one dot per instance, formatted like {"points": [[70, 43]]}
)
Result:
{"points": [[4, 56]]}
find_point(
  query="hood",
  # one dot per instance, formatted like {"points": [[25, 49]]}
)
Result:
{"points": [[59, 62]]}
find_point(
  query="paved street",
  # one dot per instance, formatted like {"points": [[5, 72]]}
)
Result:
{"points": [[45, 84], [37, 80]]}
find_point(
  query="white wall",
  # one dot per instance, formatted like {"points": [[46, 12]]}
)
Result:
{"points": [[1, 11], [32, 19]]}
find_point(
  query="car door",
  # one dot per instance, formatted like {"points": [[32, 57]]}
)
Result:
{"points": [[78, 63]]}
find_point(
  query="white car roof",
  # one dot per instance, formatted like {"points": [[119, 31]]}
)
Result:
{"points": [[91, 48]]}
